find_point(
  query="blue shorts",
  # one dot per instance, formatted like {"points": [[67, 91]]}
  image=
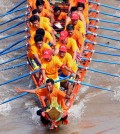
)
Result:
{"points": [[62, 75]]}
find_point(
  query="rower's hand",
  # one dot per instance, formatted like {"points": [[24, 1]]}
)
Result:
{"points": [[18, 90], [73, 74]]}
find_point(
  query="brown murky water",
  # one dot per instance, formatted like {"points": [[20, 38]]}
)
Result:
{"points": [[94, 111]]}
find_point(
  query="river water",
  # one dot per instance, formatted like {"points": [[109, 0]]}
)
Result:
{"points": [[94, 111]]}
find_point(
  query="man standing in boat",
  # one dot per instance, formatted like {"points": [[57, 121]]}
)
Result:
{"points": [[49, 92]]}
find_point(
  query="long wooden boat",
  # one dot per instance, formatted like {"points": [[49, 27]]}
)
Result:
{"points": [[54, 113]]}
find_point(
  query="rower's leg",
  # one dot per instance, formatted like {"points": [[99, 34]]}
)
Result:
{"points": [[64, 84], [70, 89], [40, 78]]}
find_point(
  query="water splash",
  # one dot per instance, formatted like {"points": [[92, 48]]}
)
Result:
{"points": [[77, 110], [116, 94], [5, 109], [33, 111]]}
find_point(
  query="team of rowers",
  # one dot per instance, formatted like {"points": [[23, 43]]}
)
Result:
{"points": [[43, 43], [56, 44]]}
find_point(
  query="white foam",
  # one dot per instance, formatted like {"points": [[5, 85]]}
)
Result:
{"points": [[2, 35], [6, 6], [83, 89], [77, 110], [34, 116], [116, 94], [5, 109], [117, 13]]}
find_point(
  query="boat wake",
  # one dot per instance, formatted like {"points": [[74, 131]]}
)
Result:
{"points": [[5, 109], [116, 94]]}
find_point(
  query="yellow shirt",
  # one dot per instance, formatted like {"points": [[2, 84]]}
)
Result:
{"points": [[39, 51], [47, 5], [78, 36], [43, 25], [73, 3], [45, 19], [45, 13], [47, 38], [71, 46], [68, 61], [85, 11], [32, 3], [51, 68], [80, 27]]}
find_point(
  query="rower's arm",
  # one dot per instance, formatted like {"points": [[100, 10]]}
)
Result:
{"points": [[74, 55], [44, 75], [68, 69], [67, 96], [82, 49], [54, 39], [82, 18], [68, 19], [37, 58], [25, 90]]}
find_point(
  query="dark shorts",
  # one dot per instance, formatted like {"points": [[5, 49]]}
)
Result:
{"points": [[62, 75], [43, 119]]}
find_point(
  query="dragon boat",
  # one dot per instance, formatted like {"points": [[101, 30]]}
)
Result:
{"points": [[54, 113]]}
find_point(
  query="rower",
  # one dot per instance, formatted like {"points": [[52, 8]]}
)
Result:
{"points": [[37, 50], [42, 11], [86, 9], [83, 8], [67, 60], [58, 19], [47, 37], [75, 3], [36, 23], [76, 35], [32, 4], [49, 92], [39, 47], [75, 10], [50, 65], [69, 42], [44, 19], [58, 15], [68, 19], [78, 24]]}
